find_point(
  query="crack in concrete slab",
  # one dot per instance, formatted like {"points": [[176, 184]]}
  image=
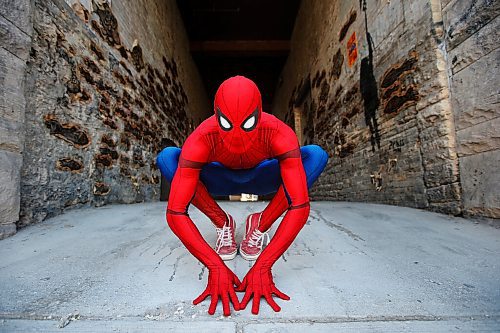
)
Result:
{"points": [[200, 275], [175, 266], [161, 247], [338, 227], [166, 256], [119, 252], [63, 294], [308, 249]]}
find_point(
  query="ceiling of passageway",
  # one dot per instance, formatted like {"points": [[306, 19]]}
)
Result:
{"points": [[231, 37]]}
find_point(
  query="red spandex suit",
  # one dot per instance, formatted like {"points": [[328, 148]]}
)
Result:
{"points": [[239, 137]]}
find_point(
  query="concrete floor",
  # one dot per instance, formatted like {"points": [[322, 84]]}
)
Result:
{"points": [[353, 268]]}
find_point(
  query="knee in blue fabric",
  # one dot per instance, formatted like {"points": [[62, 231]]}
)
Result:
{"points": [[314, 159], [167, 161]]}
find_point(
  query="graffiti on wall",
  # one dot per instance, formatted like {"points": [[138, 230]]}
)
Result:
{"points": [[352, 50]]}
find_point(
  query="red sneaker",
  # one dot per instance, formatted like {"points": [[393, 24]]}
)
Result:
{"points": [[226, 246], [252, 244]]}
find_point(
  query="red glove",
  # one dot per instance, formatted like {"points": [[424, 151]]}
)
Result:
{"points": [[259, 283], [221, 281]]}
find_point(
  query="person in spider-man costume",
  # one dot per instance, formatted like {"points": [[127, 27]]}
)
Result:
{"points": [[240, 149]]}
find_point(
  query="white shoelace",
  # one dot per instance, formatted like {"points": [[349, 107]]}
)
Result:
{"points": [[224, 237], [257, 238]]}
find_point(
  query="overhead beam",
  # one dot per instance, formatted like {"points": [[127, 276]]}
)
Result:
{"points": [[241, 47]]}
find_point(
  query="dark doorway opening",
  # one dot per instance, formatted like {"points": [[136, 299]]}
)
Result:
{"points": [[245, 37]]}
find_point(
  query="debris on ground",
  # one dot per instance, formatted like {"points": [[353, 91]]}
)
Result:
{"points": [[68, 319]]}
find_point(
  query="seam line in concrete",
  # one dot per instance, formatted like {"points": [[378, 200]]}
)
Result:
{"points": [[482, 122], [24, 61], [472, 63], [470, 36], [24, 32]]}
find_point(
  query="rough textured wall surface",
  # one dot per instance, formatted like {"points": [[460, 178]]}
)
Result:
{"points": [[380, 109], [106, 83], [472, 41], [15, 37]]}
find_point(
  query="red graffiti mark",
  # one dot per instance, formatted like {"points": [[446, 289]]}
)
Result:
{"points": [[352, 50]]}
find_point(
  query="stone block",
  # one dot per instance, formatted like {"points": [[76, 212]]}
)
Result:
{"points": [[18, 12], [435, 113], [386, 54], [432, 147], [10, 168], [463, 18], [87, 4], [13, 39], [441, 173], [444, 193], [481, 183], [441, 130], [7, 229], [477, 46], [479, 138], [444, 3], [417, 13], [432, 91], [453, 207], [10, 135], [12, 101], [475, 96], [386, 21]]}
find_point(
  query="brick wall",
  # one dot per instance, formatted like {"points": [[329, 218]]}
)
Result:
{"points": [[107, 81], [384, 116], [472, 39]]}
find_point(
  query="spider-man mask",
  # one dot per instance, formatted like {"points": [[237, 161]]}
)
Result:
{"points": [[238, 109]]}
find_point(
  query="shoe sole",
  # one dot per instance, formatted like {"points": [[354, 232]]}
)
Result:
{"points": [[249, 257], [229, 256]]}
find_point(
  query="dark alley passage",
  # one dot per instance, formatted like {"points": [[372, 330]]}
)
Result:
{"points": [[249, 38]]}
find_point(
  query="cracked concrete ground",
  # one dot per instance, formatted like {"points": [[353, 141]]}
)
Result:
{"points": [[353, 268]]}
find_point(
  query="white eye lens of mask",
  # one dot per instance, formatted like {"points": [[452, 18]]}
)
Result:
{"points": [[249, 123], [224, 123]]}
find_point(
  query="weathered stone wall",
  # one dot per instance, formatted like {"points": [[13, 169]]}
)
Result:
{"points": [[106, 83], [472, 42], [384, 116], [15, 37]]}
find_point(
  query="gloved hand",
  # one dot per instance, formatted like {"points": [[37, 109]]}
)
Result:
{"points": [[259, 283], [221, 282]]}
